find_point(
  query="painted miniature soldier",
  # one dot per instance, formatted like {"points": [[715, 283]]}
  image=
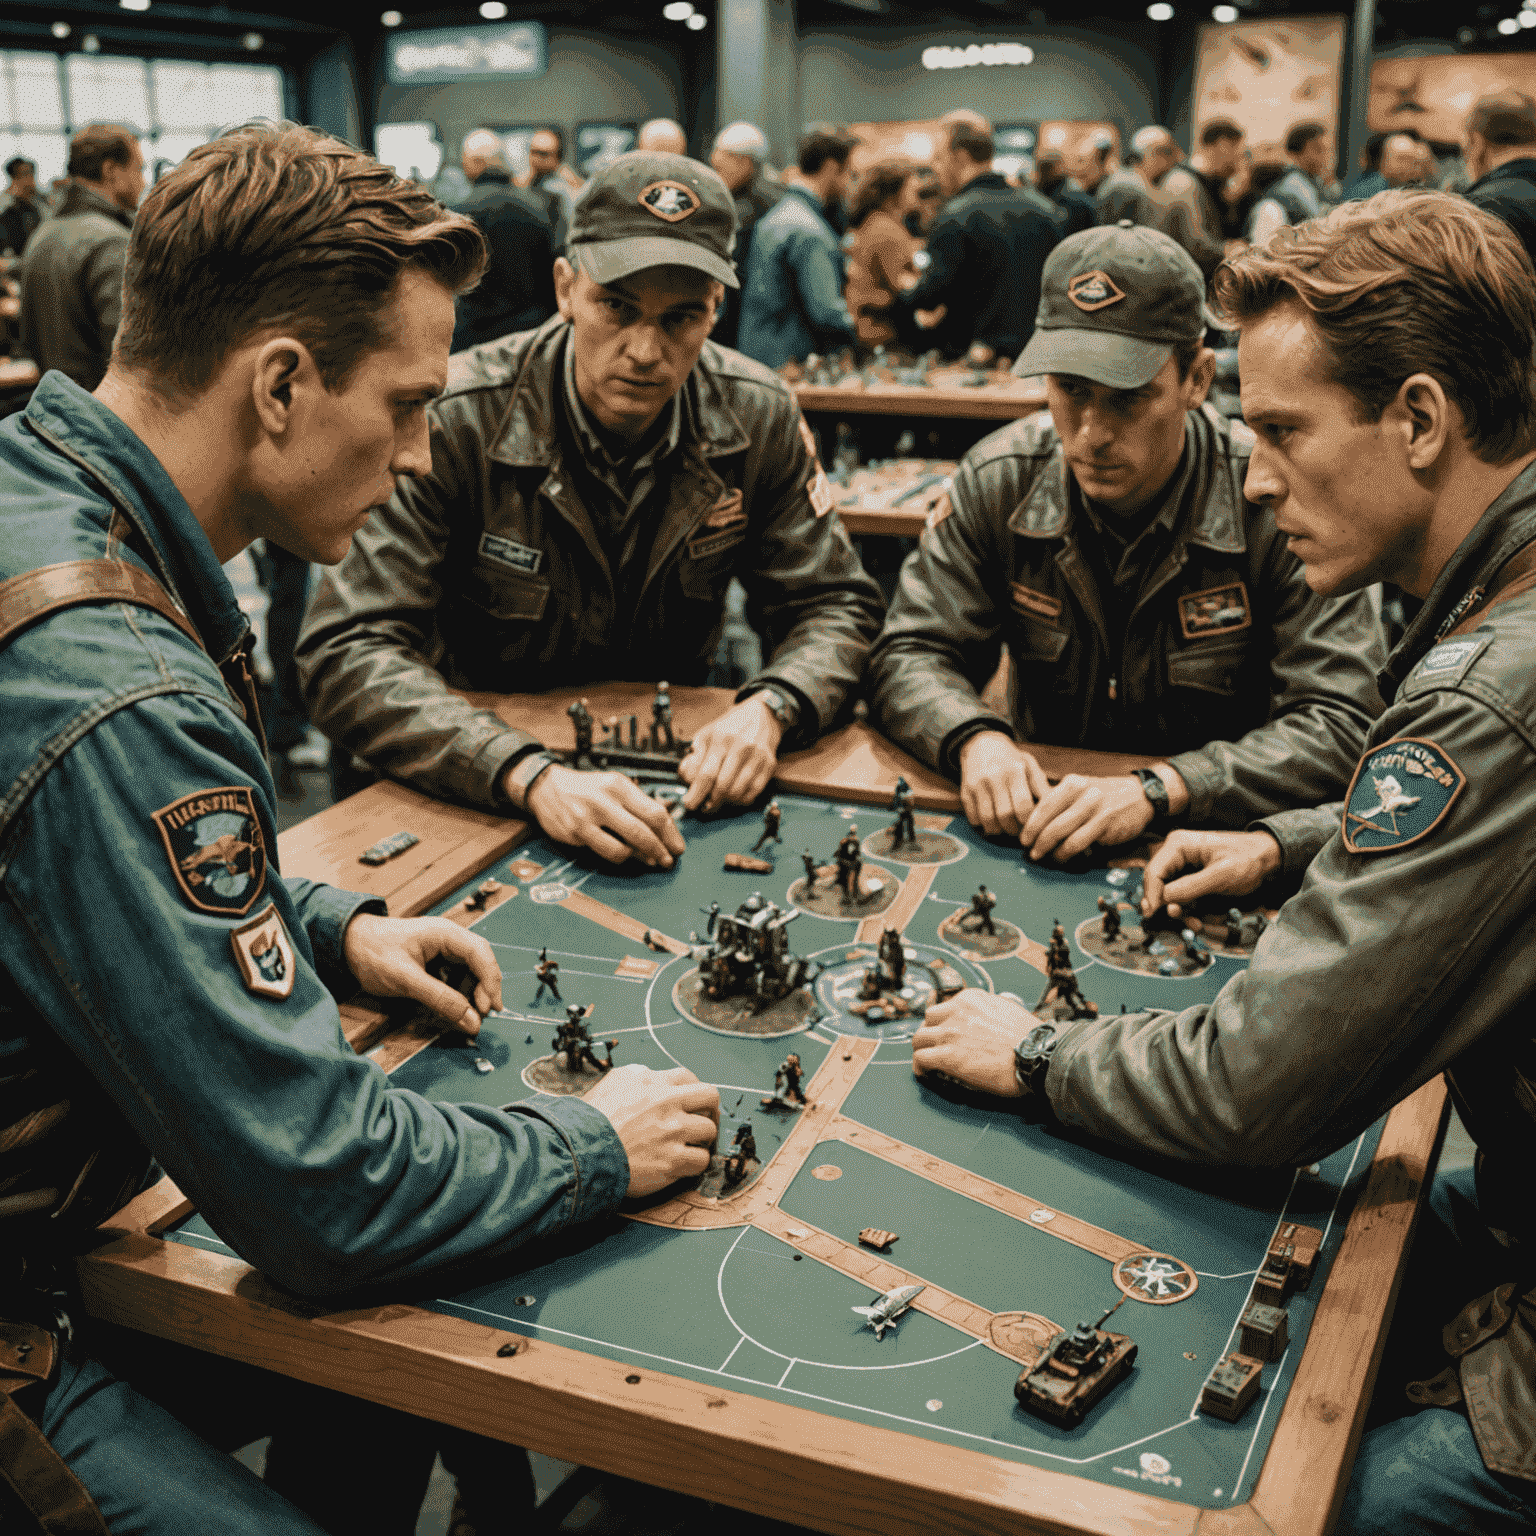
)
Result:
{"points": [[809, 861], [661, 718], [1196, 947], [904, 830], [981, 908], [615, 732], [712, 912], [548, 972], [1111, 920], [1062, 979], [1247, 928], [793, 1093], [743, 1151], [1056, 952], [894, 956], [850, 863], [581, 718], [770, 833]]}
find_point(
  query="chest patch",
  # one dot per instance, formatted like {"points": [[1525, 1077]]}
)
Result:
{"points": [[726, 511], [819, 489], [264, 953], [1041, 604], [1215, 611], [213, 840], [1401, 792], [508, 552], [1447, 662]]}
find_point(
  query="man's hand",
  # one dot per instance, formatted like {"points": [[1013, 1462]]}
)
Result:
{"points": [[607, 813], [389, 956], [732, 758], [1231, 863], [999, 783], [1081, 811], [666, 1121], [971, 1038]]}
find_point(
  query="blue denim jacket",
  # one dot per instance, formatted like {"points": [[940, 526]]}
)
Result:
{"points": [[297, 1151]]}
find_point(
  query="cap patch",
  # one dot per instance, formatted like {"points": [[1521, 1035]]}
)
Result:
{"points": [[213, 840], [1093, 290], [264, 953], [670, 200], [1401, 792]]}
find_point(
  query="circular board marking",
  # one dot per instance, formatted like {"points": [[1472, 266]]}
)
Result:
{"points": [[826, 1172], [976, 945], [826, 901], [790, 1015], [548, 894], [1042, 1216], [1159, 1279], [930, 848], [934, 1404]]}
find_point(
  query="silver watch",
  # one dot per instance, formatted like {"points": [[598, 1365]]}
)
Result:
{"points": [[784, 710]]}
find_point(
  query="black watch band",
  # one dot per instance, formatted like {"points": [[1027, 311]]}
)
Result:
{"points": [[1032, 1058], [1156, 791]]}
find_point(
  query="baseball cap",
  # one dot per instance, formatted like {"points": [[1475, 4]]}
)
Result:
{"points": [[654, 210], [1114, 302]]}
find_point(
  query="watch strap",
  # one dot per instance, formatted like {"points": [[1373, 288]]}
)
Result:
{"points": [[1156, 791], [523, 775]]}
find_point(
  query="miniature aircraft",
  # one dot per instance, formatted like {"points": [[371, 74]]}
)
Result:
{"points": [[883, 1311]]}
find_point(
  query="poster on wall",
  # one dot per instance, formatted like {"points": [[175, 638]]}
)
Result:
{"points": [[1435, 94], [1268, 76], [598, 145]]}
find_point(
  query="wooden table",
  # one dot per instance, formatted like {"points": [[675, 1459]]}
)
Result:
{"points": [[893, 499], [711, 1440], [988, 402]]}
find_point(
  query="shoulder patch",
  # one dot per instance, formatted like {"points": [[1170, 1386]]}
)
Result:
{"points": [[264, 953], [1450, 659], [1400, 793], [213, 840], [819, 489]]}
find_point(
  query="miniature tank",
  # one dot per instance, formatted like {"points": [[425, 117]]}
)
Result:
{"points": [[750, 955], [1075, 1370]]}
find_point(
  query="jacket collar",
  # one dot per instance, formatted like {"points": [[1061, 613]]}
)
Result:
{"points": [[988, 181], [811, 201], [1522, 168], [527, 437], [79, 198], [1508, 525], [1210, 512], [81, 428]]}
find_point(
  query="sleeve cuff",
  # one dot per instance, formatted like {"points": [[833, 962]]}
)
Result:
{"points": [[492, 761], [327, 910], [597, 1154], [1204, 782], [949, 749], [1301, 833], [807, 728]]}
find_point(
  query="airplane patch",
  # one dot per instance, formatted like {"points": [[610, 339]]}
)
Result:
{"points": [[1215, 611], [264, 953], [1401, 792], [213, 840]]}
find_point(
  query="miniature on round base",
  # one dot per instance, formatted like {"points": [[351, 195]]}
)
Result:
{"points": [[878, 892], [923, 848], [739, 1015], [962, 930]]}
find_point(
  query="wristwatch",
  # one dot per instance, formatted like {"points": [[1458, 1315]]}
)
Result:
{"points": [[1032, 1058], [784, 710], [525, 773], [1156, 791]]}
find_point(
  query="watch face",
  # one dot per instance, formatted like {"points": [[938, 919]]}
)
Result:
{"points": [[1040, 1041]]}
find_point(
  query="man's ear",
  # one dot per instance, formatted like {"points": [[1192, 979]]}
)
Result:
{"points": [[565, 287], [1427, 418], [285, 370], [1202, 373]]}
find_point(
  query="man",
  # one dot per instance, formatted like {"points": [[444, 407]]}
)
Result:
{"points": [[1189, 214], [740, 156], [985, 252], [662, 136], [598, 483], [1403, 160], [1500, 148], [1146, 605], [72, 275], [1368, 181], [792, 303], [517, 292], [1216, 162], [1117, 193], [1297, 196], [1386, 361], [288, 306], [22, 208], [550, 177], [1074, 206]]}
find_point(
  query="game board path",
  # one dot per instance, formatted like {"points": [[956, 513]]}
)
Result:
{"points": [[901, 911]]}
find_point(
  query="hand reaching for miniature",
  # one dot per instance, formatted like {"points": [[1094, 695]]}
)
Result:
{"points": [[971, 1038], [607, 813], [1228, 863], [999, 783], [389, 957], [731, 760], [666, 1121]]}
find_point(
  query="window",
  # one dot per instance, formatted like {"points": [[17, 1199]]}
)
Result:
{"points": [[174, 104]]}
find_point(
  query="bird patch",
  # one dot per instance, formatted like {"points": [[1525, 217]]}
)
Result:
{"points": [[669, 200], [264, 953], [1401, 792], [1094, 290], [213, 840], [1215, 611]]}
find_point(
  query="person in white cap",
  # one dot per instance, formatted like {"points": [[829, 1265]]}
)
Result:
{"points": [[740, 156], [663, 136]]}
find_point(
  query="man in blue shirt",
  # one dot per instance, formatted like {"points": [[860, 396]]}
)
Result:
{"points": [[169, 995]]}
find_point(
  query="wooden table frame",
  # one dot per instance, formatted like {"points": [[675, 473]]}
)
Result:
{"points": [[792, 1463], [975, 404]]}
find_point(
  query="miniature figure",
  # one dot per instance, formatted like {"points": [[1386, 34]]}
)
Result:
{"points": [[743, 1151], [575, 1043], [1245, 928], [981, 908], [850, 864], [1056, 951], [1111, 919], [903, 830], [661, 719], [750, 955], [810, 871], [581, 718], [883, 1311], [482, 893], [1062, 980], [772, 815], [786, 1085], [712, 912], [548, 972], [893, 958], [1196, 947]]}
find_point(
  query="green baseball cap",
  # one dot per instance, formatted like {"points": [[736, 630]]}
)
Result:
{"points": [[654, 210], [1114, 302]]}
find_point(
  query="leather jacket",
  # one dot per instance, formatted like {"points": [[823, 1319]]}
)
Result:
{"points": [[1259, 691], [490, 574]]}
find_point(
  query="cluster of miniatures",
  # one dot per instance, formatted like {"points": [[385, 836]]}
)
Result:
{"points": [[1061, 979], [748, 956]]}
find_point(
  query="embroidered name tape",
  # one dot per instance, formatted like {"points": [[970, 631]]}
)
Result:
{"points": [[1401, 792], [264, 953], [1215, 611], [213, 840], [1448, 661], [508, 552], [712, 543], [1027, 600]]}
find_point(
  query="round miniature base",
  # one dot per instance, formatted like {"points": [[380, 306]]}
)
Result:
{"points": [[712, 1184], [898, 1011], [1145, 954], [929, 848], [965, 933], [1056, 1011], [1158, 1279], [737, 1016], [549, 1074], [880, 890]]}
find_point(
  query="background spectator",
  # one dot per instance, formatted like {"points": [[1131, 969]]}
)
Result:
{"points": [[550, 175], [740, 159], [880, 249], [72, 275], [1117, 193], [1074, 205], [1500, 145], [1402, 160], [517, 292], [662, 135], [1216, 162], [1189, 215], [22, 208], [793, 301], [1296, 195]]}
